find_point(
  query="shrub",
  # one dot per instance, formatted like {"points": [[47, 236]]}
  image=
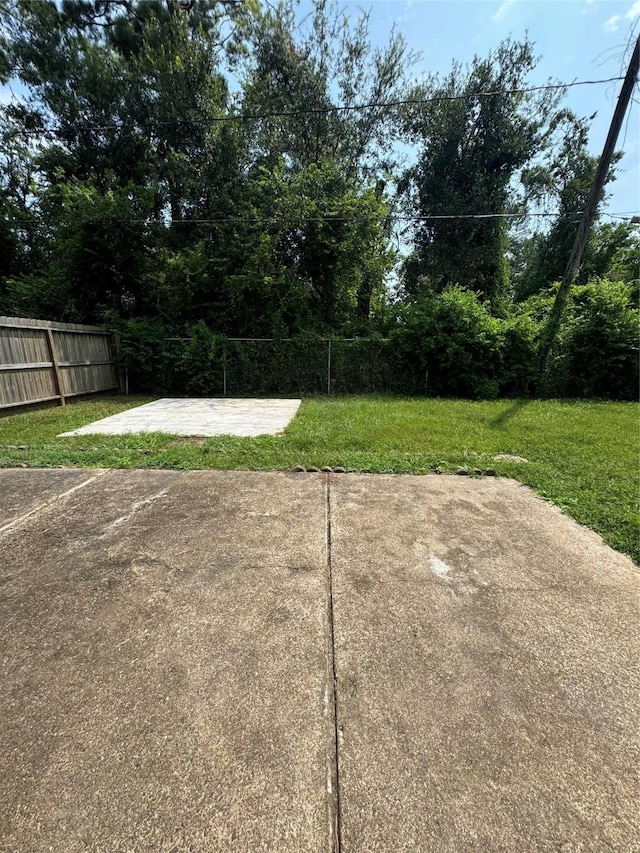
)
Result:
{"points": [[600, 344], [445, 343], [518, 354], [450, 344], [198, 363]]}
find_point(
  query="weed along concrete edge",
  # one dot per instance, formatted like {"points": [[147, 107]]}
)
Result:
{"points": [[236, 661]]}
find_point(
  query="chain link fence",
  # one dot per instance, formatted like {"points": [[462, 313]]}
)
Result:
{"points": [[240, 367]]}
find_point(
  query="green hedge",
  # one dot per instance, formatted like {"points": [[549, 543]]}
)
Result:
{"points": [[442, 344]]}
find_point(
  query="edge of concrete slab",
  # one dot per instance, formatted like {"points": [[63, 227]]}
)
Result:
{"points": [[198, 417]]}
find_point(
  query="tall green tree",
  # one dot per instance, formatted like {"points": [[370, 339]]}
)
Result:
{"points": [[250, 225], [472, 150], [331, 158], [123, 101], [563, 181]]}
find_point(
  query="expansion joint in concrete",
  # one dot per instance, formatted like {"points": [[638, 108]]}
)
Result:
{"points": [[333, 774]]}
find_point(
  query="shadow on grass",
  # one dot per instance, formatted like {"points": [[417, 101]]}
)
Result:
{"points": [[509, 413]]}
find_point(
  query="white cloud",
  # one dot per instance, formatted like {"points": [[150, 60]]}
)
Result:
{"points": [[611, 25], [408, 13], [502, 11], [634, 11]]}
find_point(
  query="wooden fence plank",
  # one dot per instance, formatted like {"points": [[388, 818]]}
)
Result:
{"points": [[54, 364], [43, 360], [43, 365]]}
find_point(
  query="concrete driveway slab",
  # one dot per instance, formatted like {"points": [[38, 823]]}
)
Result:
{"points": [[198, 417], [164, 689], [488, 678], [216, 661], [22, 491], [484, 533]]}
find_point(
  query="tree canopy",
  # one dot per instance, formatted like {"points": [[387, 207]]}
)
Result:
{"points": [[224, 162]]}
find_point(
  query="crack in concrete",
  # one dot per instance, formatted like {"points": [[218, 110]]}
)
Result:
{"points": [[135, 506], [331, 696]]}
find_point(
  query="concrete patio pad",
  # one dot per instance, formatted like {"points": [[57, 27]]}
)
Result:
{"points": [[165, 668], [488, 671], [198, 417], [236, 661]]}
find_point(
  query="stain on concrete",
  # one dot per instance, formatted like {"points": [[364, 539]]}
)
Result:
{"points": [[438, 567]]}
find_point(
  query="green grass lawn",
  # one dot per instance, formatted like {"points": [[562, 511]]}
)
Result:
{"points": [[581, 455]]}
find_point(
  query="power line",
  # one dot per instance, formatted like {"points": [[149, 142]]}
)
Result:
{"points": [[627, 216], [326, 218], [322, 110]]}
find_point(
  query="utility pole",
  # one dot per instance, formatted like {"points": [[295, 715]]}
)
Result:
{"points": [[595, 194]]}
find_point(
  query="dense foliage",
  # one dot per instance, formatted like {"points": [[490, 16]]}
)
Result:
{"points": [[445, 344], [203, 169]]}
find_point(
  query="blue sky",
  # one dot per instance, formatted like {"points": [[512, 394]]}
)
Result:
{"points": [[576, 40]]}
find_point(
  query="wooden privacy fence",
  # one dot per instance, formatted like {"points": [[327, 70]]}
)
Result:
{"points": [[42, 360]]}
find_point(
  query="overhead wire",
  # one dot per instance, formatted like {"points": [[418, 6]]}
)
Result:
{"points": [[318, 111], [257, 220], [235, 117]]}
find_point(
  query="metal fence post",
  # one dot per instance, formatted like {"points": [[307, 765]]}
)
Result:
{"points": [[119, 367], [329, 367], [224, 368]]}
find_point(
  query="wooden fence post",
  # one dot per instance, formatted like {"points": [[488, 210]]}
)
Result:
{"points": [[54, 364]]}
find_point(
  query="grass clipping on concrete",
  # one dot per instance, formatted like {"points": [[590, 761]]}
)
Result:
{"points": [[581, 455]]}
